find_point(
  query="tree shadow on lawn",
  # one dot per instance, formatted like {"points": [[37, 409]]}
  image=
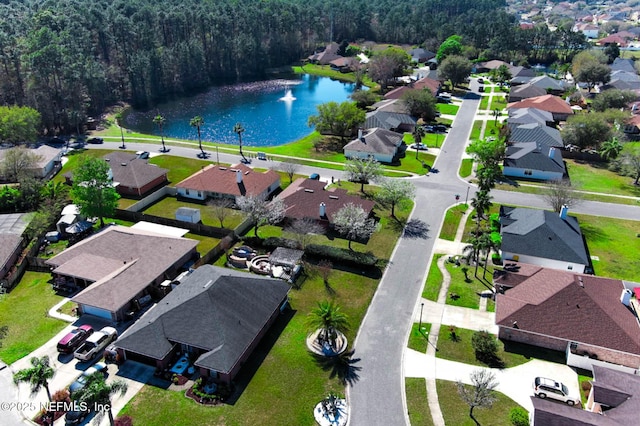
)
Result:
{"points": [[259, 354], [341, 366]]}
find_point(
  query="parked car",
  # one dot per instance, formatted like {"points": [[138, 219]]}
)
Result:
{"points": [[95, 140], [314, 176], [549, 388], [74, 338], [143, 155], [429, 129], [76, 416], [95, 344], [480, 80], [81, 381], [440, 128], [419, 146]]}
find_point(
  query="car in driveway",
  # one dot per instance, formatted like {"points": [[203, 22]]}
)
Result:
{"points": [[440, 128], [419, 146], [81, 381], [95, 344], [77, 415], [74, 338], [548, 388], [95, 141]]}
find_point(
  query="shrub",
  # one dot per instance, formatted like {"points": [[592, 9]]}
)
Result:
{"points": [[519, 417], [341, 256], [485, 346], [124, 421]]}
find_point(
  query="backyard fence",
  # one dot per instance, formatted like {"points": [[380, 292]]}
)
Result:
{"points": [[196, 228], [152, 198]]}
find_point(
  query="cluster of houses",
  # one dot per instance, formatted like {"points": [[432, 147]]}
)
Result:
{"points": [[546, 296]]}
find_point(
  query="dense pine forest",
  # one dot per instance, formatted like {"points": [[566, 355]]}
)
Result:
{"points": [[70, 59]]}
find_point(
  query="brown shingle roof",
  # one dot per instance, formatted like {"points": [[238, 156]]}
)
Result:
{"points": [[580, 308], [132, 172], [303, 197], [139, 257], [222, 180], [549, 103], [424, 83]]}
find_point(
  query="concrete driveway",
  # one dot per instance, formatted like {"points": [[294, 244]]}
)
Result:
{"points": [[514, 382]]}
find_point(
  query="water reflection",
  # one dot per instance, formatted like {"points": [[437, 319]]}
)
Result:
{"points": [[268, 117]]}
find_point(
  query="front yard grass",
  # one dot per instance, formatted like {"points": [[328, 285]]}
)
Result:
{"points": [[475, 130], [73, 159], [179, 168], [417, 404], [434, 280], [285, 371], [24, 311], [418, 339], [461, 349], [451, 221], [498, 102], [456, 412], [468, 293], [466, 167], [447, 109]]}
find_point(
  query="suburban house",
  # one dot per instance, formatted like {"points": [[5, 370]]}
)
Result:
{"points": [[535, 132], [543, 238], [560, 109], [390, 114], [424, 83], [525, 91], [12, 226], [216, 317], [612, 402], [330, 53], [533, 160], [119, 266], [548, 84], [620, 64], [345, 64], [421, 55], [623, 80], [48, 158], [592, 319], [228, 182], [587, 28], [519, 116], [307, 198], [632, 127], [487, 66], [134, 176], [383, 145]]}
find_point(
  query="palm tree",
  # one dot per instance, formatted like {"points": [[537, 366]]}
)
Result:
{"points": [[610, 150], [481, 203], [37, 376], [198, 122], [118, 117], [328, 318], [418, 134], [98, 393], [159, 120], [239, 130]]}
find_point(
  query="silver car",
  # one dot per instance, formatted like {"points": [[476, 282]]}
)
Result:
{"points": [[549, 388]]}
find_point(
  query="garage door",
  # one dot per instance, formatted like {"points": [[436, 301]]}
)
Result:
{"points": [[92, 310]]}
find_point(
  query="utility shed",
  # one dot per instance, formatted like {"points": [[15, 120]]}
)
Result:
{"points": [[187, 214]]}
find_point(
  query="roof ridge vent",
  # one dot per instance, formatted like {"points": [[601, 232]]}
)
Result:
{"points": [[333, 197], [222, 168], [308, 190]]}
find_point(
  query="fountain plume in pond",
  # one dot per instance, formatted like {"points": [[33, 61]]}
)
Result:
{"points": [[288, 96]]}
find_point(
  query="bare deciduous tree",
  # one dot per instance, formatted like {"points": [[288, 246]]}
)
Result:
{"points": [[262, 212], [17, 162], [559, 194], [303, 230], [290, 169], [221, 209], [354, 223], [481, 393]]}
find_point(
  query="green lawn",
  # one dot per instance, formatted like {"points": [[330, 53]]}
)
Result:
{"points": [[475, 130], [596, 177], [616, 243], [179, 167], [461, 350], [451, 221], [484, 103], [498, 102], [24, 311], [456, 412], [448, 109], [466, 167], [434, 280], [417, 404], [468, 292], [73, 160], [417, 339], [167, 206], [284, 372]]}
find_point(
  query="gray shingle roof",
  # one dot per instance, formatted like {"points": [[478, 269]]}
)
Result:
{"points": [[533, 156], [526, 90], [388, 120], [543, 234], [132, 172], [218, 310], [377, 140], [539, 133], [529, 115]]}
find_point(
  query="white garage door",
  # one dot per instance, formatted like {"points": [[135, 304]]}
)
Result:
{"points": [[92, 310]]}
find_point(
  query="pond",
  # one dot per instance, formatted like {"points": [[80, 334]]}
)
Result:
{"points": [[272, 112]]}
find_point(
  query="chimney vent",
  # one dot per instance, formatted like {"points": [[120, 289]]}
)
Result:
{"points": [[323, 210], [625, 297], [238, 176], [360, 135], [563, 212]]}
